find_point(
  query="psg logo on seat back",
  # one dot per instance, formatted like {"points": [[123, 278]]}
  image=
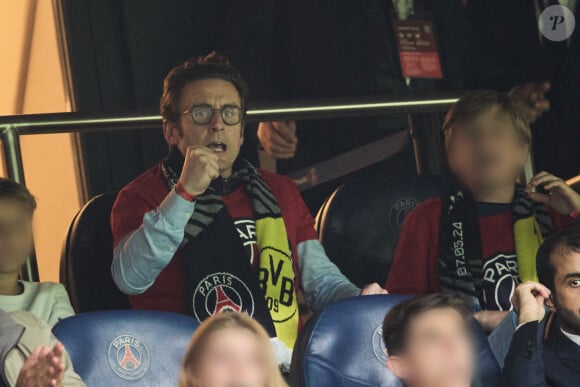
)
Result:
{"points": [[379, 347], [221, 292], [129, 357], [398, 213]]}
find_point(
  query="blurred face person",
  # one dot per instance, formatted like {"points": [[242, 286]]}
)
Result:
{"points": [[16, 209], [429, 343], [230, 350], [15, 235], [487, 141], [232, 358], [212, 118]]}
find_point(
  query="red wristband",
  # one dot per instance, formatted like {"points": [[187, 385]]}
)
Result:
{"points": [[183, 193], [574, 215]]}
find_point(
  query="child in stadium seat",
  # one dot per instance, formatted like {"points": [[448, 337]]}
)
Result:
{"points": [[47, 301], [428, 341], [545, 349], [481, 238], [230, 349]]}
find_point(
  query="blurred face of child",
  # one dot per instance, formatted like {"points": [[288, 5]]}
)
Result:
{"points": [[487, 152], [439, 351], [15, 235], [233, 358]]}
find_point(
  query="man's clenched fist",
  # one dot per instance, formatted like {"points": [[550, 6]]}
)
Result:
{"points": [[199, 169]]}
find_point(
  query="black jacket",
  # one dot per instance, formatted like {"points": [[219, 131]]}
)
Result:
{"points": [[536, 361]]}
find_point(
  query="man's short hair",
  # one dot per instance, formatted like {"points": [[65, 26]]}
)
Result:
{"points": [[479, 102], [212, 66], [569, 240], [398, 321], [12, 190]]}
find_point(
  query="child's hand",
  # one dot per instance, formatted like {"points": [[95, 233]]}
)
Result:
{"points": [[43, 368], [560, 197]]}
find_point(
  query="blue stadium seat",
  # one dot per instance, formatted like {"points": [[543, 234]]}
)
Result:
{"points": [[342, 346], [360, 223], [127, 347]]}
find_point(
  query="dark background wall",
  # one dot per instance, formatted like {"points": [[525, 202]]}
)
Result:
{"points": [[120, 52]]}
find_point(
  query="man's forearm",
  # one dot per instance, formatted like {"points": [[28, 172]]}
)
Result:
{"points": [[142, 255], [322, 281]]}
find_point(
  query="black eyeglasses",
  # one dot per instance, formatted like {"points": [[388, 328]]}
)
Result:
{"points": [[203, 114]]}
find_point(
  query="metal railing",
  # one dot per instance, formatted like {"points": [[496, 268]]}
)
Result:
{"points": [[11, 127]]}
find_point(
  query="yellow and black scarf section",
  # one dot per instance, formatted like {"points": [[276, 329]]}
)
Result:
{"points": [[460, 251], [219, 273]]}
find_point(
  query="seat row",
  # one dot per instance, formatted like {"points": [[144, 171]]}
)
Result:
{"points": [[145, 348]]}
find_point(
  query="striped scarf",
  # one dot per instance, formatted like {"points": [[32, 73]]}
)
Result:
{"points": [[460, 251], [211, 231]]}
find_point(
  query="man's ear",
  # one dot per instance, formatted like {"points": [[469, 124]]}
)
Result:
{"points": [[171, 132], [549, 302], [242, 130], [397, 366]]}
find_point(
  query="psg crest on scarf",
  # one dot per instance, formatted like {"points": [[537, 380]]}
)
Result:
{"points": [[221, 292]]}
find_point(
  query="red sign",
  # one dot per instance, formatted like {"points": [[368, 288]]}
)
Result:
{"points": [[417, 47]]}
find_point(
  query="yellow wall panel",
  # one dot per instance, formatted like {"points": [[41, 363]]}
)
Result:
{"points": [[13, 17], [49, 160]]}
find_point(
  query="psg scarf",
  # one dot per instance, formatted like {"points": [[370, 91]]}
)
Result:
{"points": [[460, 251], [219, 274]]}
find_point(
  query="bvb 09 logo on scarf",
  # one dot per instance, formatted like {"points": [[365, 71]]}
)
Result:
{"points": [[277, 281]]}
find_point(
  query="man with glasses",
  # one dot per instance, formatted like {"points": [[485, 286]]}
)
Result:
{"points": [[205, 232]]}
